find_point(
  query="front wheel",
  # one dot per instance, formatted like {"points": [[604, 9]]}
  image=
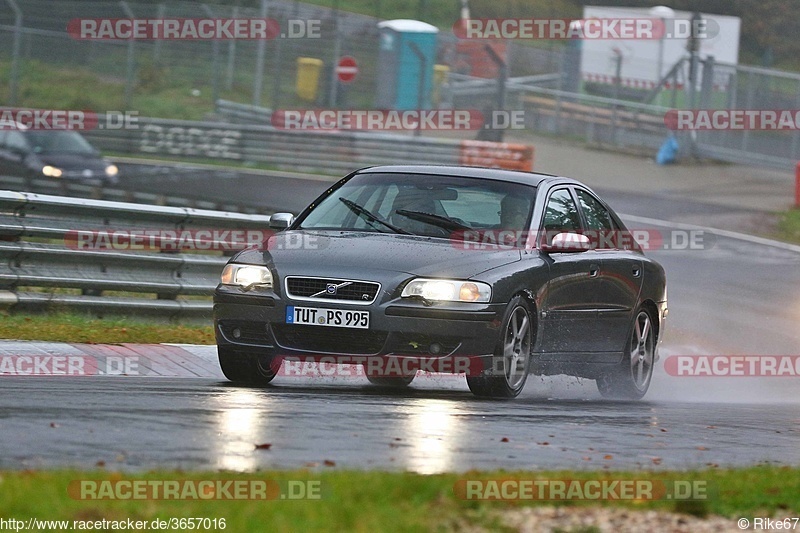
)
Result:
{"points": [[242, 367], [632, 379], [512, 355]]}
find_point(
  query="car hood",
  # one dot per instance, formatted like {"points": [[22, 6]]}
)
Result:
{"points": [[71, 161], [359, 254]]}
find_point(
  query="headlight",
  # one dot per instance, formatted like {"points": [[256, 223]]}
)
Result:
{"points": [[246, 276], [51, 172], [448, 290], [112, 170]]}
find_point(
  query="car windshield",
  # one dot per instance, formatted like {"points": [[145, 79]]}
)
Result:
{"points": [[430, 205], [48, 142]]}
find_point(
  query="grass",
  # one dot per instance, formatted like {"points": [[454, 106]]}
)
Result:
{"points": [[64, 327], [381, 501], [789, 226]]}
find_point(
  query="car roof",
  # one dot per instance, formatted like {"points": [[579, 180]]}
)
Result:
{"points": [[516, 176]]}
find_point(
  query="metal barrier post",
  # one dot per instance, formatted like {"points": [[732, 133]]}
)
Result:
{"points": [[421, 84], [214, 60], [797, 186], [258, 82], [131, 60], [15, 51]]}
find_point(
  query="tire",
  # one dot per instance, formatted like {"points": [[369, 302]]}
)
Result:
{"points": [[512, 354], [632, 379], [392, 383], [242, 367]]}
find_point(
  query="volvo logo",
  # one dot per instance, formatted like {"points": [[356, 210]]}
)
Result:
{"points": [[331, 288]]}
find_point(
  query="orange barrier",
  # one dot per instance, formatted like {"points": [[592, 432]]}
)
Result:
{"points": [[497, 155]]}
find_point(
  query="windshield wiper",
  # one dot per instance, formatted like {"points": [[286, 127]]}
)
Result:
{"points": [[436, 220], [370, 218]]}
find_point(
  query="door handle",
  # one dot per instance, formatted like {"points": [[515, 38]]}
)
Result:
{"points": [[636, 272], [594, 270]]}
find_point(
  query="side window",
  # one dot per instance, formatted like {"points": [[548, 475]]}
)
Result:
{"points": [[16, 141], [597, 217], [561, 214]]}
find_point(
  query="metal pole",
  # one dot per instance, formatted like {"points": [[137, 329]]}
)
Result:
{"points": [[796, 134], [660, 57], [748, 105], [337, 50], [421, 84], [15, 51], [258, 82], [157, 45], [502, 68], [130, 76], [276, 77], [231, 55], [617, 88], [214, 61]]}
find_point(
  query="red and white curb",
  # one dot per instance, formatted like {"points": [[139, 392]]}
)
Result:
{"points": [[31, 358]]}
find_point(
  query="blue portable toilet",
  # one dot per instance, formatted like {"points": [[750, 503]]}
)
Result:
{"points": [[399, 69]]}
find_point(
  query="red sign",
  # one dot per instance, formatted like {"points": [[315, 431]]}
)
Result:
{"points": [[347, 69]]}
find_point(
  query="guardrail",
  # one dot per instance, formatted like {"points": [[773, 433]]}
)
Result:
{"points": [[331, 151], [46, 263], [237, 113], [140, 183]]}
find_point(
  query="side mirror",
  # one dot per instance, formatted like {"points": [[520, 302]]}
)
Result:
{"points": [[281, 221], [567, 243]]}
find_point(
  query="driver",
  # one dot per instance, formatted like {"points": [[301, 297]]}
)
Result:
{"points": [[514, 212]]}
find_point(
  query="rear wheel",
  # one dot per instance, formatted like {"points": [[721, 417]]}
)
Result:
{"points": [[632, 379], [393, 383], [243, 367], [512, 355]]}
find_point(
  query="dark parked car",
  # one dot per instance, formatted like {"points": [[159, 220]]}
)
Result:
{"points": [[59, 154], [439, 263]]}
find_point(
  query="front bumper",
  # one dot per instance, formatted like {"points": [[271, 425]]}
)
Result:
{"points": [[255, 322]]}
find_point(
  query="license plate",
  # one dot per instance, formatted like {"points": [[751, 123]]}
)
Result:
{"points": [[337, 318]]}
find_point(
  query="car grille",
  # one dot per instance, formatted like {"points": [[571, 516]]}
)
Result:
{"points": [[250, 332], [363, 292], [328, 340]]}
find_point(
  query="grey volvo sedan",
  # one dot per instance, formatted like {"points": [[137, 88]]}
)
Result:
{"points": [[492, 273]]}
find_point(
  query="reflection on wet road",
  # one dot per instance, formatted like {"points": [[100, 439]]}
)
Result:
{"points": [[142, 423]]}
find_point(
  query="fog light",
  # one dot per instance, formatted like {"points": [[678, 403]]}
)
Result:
{"points": [[237, 333], [435, 348]]}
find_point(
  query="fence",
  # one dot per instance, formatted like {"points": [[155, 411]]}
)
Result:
{"points": [[611, 109], [626, 112], [42, 266]]}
